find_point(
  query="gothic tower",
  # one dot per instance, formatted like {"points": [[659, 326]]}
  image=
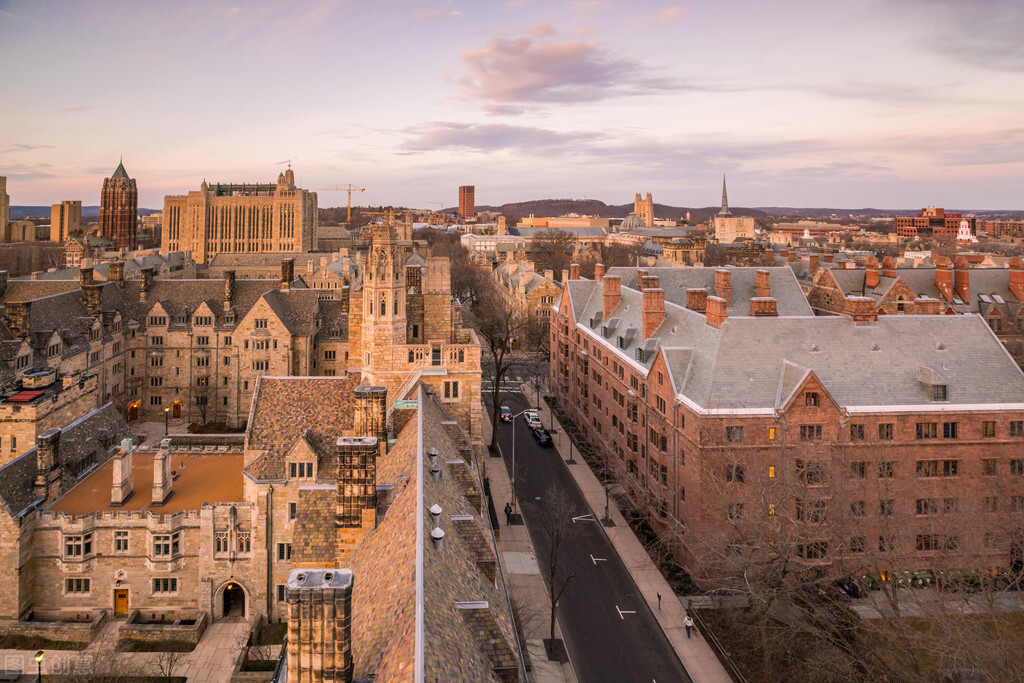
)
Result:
{"points": [[384, 324], [725, 200], [119, 209], [643, 207]]}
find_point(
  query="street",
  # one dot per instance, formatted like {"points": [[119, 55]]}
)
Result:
{"points": [[609, 632]]}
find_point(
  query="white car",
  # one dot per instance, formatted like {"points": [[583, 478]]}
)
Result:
{"points": [[532, 420]]}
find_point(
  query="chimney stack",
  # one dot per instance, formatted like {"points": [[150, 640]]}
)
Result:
{"points": [[549, 274], [697, 299], [319, 641], [762, 283], [48, 465], [888, 267], [565, 276], [116, 272], [769, 257], [369, 417], [962, 279], [287, 273], [121, 489], [85, 276], [356, 496], [829, 256], [944, 277], [3, 282], [716, 313], [861, 308], [146, 282], [598, 271], [871, 273], [653, 311], [574, 271], [792, 255], [1017, 278], [92, 298], [18, 315], [611, 294], [229, 289], [924, 305], [763, 307], [162, 489], [812, 264], [649, 282], [723, 286]]}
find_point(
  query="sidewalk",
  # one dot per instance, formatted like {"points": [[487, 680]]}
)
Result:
{"points": [[698, 658], [522, 575]]}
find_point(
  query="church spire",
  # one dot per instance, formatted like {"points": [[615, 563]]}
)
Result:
{"points": [[725, 200]]}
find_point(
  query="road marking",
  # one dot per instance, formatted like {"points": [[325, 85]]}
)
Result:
{"points": [[595, 560], [624, 611], [584, 518]]}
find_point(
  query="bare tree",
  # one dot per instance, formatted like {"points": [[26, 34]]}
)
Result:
{"points": [[201, 397], [163, 664], [556, 527], [551, 249]]}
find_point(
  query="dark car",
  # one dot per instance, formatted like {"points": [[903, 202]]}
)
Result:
{"points": [[506, 414], [543, 438]]}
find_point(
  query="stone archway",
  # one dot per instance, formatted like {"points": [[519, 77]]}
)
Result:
{"points": [[231, 602]]}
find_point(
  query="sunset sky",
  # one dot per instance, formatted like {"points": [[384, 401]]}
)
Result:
{"points": [[887, 104]]}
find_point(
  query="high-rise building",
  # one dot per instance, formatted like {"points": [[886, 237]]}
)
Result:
{"points": [[65, 218], [5, 204], [467, 201], [119, 209], [241, 218]]}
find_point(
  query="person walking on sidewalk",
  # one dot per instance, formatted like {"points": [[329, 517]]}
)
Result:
{"points": [[688, 623], [508, 514]]}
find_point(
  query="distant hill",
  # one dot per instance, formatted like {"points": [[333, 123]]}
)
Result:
{"points": [[44, 211]]}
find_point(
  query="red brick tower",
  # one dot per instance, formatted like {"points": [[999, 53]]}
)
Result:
{"points": [[119, 209]]}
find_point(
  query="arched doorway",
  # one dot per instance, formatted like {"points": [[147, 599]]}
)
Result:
{"points": [[233, 602], [177, 410], [133, 411]]}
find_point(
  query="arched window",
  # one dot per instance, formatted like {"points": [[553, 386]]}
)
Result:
{"points": [[383, 304], [396, 304]]}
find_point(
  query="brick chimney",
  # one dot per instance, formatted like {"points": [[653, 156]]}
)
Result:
{"points": [[944, 277], [121, 487], [888, 267], [611, 294], [653, 310], [320, 625], [85, 276], [287, 273], [565, 276], [716, 313], [812, 263], [524, 279], [792, 255], [598, 271], [830, 256], [763, 307], [926, 306], [1017, 278], [723, 286], [962, 279], [146, 282], [162, 489], [574, 271], [861, 308], [356, 494], [48, 465], [116, 273], [369, 417], [784, 253], [762, 283], [18, 315], [549, 274], [649, 282], [769, 257], [697, 299], [871, 272], [229, 289]]}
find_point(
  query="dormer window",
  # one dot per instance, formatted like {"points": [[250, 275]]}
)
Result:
{"points": [[300, 470], [939, 392]]}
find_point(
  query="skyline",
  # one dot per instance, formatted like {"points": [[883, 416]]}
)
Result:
{"points": [[898, 104]]}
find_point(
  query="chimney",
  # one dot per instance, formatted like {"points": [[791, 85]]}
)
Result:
{"points": [[888, 267], [762, 283], [229, 289], [649, 282], [924, 305], [769, 257], [861, 308], [146, 276], [723, 286], [944, 277], [565, 276], [121, 488], [697, 299], [549, 274], [85, 276], [763, 307], [830, 256], [871, 273], [116, 273], [653, 311], [162, 490], [784, 253], [716, 313], [1016, 278], [48, 465], [369, 417], [792, 255], [319, 642], [962, 279], [92, 298], [524, 279], [574, 271], [287, 273], [346, 269], [611, 294], [598, 271], [812, 263], [356, 495], [18, 315]]}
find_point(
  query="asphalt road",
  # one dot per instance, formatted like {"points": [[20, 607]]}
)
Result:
{"points": [[609, 632]]}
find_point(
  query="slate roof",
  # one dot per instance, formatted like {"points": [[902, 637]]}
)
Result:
{"points": [[511, 282], [313, 539], [986, 281], [333, 320], [297, 309]]}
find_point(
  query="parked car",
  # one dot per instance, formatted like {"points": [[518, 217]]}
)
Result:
{"points": [[506, 414], [543, 438], [532, 419]]}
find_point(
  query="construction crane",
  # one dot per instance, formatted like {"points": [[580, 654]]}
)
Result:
{"points": [[350, 188]]}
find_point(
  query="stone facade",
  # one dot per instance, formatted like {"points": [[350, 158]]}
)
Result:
{"points": [[65, 218], [119, 210], [529, 291], [643, 207], [240, 218], [5, 204]]}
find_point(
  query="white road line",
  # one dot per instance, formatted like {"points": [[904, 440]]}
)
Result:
{"points": [[595, 560], [624, 611], [584, 518]]}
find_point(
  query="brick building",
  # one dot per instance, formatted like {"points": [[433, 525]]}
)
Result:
{"points": [[746, 424], [467, 201], [932, 222], [119, 210]]}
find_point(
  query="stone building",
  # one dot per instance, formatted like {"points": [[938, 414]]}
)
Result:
{"points": [[743, 422], [643, 207], [119, 210], [241, 218], [65, 218], [526, 289], [729, 228], [5, 204]]}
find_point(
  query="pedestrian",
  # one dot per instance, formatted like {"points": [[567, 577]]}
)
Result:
{"points": [[659, 599], [508, 514], [688, 623]]}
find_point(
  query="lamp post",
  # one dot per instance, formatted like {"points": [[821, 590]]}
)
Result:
{"points": [[39, 665], [514, 499], [167, 412]]}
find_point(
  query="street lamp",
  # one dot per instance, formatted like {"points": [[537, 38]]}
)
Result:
{"points": [[514, 499], [167, 412], [39, 665]]}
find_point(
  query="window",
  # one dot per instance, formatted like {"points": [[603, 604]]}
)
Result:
{"points": [[885, 431], [301, 469], [21, 362], [930, 542], [856, 432], [811, 398], [990, 504], [939, 392], [886, 543], [1016, 426], [950, 505], [280, 592], [734, 473], [260, 323], [856, 544], [1016, 467], [165, 585], [292, 510], [886, 507], [938, 468], [988, 429], [167, 545], [812, 551], [735, 511], [78, 546], [120, 541], [94, 357], [155, 400], [810, 432], [330, 355], [1016, 503], [53, 350], [156, 381], [220, 542], [244, 543], [734, 434], [659, 404], [227, 341], [451, 389], [202, 341], [927, 430], [202, 320], [950, 430], [263, 365], [813, 511], [203, 362], [157, 320], [77, 585], [284, 552], [927, 506], [156, 341], [156, 362], [858, 470], [811, 473], [857, 508]]}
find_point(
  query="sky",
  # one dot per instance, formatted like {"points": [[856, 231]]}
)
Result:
{"points": [[885, 104]]}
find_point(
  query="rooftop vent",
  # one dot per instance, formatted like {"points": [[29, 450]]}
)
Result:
{"points": [[438, 536], [435, 513]]}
